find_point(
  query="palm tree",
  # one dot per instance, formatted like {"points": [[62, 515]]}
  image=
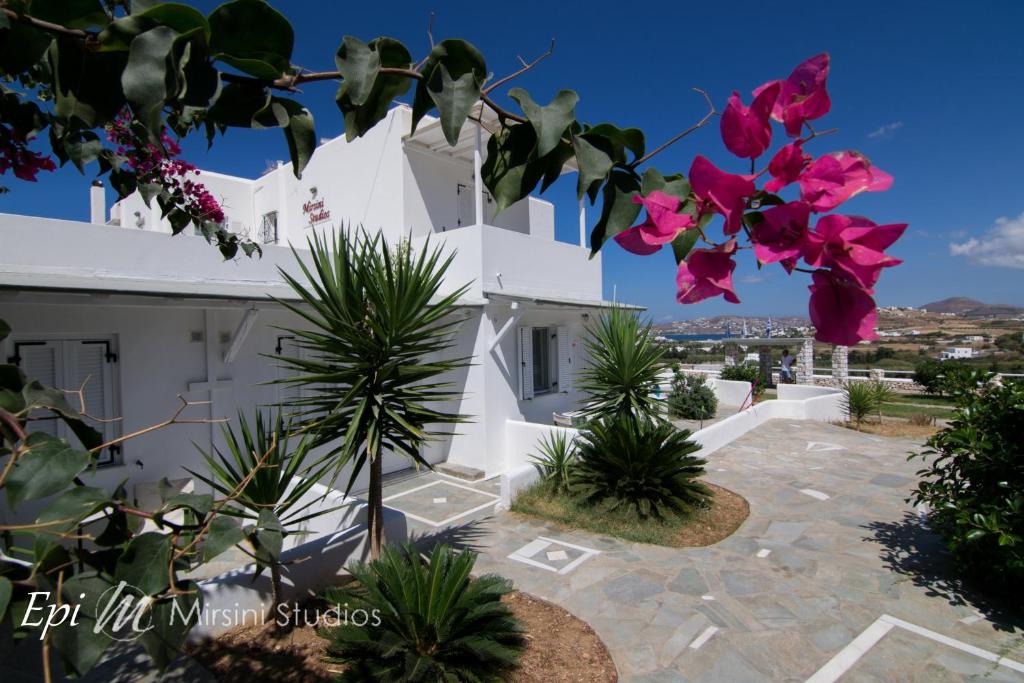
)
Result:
{"points": [[379, 329], [624, 366]]}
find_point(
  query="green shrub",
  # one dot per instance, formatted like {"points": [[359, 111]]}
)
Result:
{"points": [[974, 484], [436, 622], [645, 465], [861, 399], [622, 375], [745, 372], [555, 460], [947, 378], [691, 398]]}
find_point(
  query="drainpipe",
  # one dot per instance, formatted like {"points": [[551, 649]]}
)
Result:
{"points": [[97, 203], [478, 184], [517, 313]]}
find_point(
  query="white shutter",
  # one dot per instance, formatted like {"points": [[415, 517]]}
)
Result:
{"points": [[525, 339], [90, 370], [564, 360], [40, 361]]}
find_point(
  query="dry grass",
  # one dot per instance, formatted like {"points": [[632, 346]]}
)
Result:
{"points": [[700, 527], [896, 429], [559, 649]]}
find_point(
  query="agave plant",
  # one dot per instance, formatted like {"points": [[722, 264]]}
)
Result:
{"points": [[555, 459], [643, 464], [622, 376], [436, 622], [267, 477], [379, 330]]}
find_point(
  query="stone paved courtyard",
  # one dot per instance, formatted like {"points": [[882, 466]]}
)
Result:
{"points": [[833, 576]]}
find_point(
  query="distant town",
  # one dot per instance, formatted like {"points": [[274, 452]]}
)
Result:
{"points": [[959, 328]]}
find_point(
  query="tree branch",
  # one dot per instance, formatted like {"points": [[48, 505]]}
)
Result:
{"points": [[47, 26], [700, 124], [526, 67]]}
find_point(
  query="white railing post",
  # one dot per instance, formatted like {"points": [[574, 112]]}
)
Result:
{"points": [[583, 223], [478, 183]]}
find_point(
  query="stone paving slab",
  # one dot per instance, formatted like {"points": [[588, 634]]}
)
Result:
{"points": [[734, 612]]}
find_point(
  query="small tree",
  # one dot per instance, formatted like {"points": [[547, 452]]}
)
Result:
{"points": [[691, 398], [273, 495], [624, 365], [379, 327]]}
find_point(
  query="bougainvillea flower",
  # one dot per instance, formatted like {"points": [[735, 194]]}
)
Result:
{"points": [[663, 224], [706, 273], [841, 311], [722, 192], [782, 233], [834, 178], [786, 166], [803, 96], [747, 131], [853, 246]]}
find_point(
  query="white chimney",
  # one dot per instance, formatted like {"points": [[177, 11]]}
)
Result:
{"points": [[97, 203]]}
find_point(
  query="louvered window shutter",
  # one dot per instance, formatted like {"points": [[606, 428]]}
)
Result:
{"points": [[40, 361], [525, 338], [91, 369], [564, 360]]}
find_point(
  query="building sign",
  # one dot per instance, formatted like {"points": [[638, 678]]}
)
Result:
{"points": [[314, 212]]}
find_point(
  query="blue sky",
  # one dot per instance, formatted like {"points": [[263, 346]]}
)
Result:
{"points": [[930, 91]]}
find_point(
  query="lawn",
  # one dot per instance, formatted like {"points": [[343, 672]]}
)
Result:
{"points": [[900, 409], [700, 527], [924, 399]]}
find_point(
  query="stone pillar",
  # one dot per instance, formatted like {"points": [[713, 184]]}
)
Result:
{"points": [[805, 363], [876, 374], [764, 364], [840, 364]]}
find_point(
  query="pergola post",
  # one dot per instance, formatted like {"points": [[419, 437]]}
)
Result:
{"points": [[764, 364], [840, 364], [805, 362], [478, 183]]}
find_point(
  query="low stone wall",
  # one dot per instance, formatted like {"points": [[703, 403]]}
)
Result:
{"points": [[906, 386]]}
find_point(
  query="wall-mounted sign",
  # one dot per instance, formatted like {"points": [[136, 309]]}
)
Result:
{"points": [[314, 212]]}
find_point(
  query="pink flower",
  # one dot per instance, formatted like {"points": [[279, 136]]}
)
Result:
{"points": [[834, 178], [723, 192], [663, 223], [852, 246], [706, 273], [803, 96], [781, 235], [786, 166], [746, 131], [841, 311]]}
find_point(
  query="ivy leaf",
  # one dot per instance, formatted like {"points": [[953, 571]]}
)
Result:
{"points": [[73, 506], [82, 645], [550, 122], [163, 643], [119, 34], [145, 77], [594, 166], [511, 170], [6, 590], [675, 185], [238, 105], [49, 467], [225, 532], [453, 76], [376, 94], [21, 47], [70, 13], [299, 133], [618, 211], [5, 330], [683, 243], [253, 37], [5, 22], [35, 395], [145, 562], [81, 148]]}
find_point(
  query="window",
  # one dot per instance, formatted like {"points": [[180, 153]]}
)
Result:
{"points": [[545, 361], [73, 364], [268, 228]]}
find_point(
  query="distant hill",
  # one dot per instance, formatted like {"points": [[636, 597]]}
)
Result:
{"points": [[972, 308]]}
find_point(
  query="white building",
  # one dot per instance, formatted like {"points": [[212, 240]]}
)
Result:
{"points": [[147, 317], [957, 352]]}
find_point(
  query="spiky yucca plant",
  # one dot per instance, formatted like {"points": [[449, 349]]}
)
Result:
{"points": [[644, 464], [624, 363], [859, 400], [555, 459], [436, 622], [378, 340], [271, 497]]}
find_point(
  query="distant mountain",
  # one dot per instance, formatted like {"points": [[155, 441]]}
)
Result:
{"points": [[972, 308]]}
